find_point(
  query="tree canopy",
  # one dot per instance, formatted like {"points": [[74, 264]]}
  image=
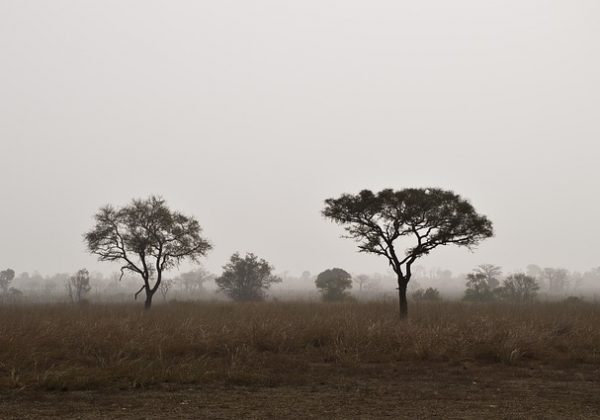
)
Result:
{"points": [[333, 284], [147, 238], [430, 217]]}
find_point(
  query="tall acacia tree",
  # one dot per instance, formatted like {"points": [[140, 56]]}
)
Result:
{"points": [[148, 238], [425, 218]]}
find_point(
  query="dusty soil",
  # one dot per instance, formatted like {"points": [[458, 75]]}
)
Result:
{"points": [[447, 391]]}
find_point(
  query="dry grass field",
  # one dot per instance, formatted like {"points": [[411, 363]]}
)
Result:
{"points": [[290, 359]]}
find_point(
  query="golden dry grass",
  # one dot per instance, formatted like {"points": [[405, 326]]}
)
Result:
{"points": [[266, 344]]}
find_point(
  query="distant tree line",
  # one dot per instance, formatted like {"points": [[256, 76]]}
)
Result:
{"points": [[484, 285], [148, 240]]}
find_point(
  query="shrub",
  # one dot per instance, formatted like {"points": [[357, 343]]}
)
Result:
{"points": [[333, 284], [429, 294]]}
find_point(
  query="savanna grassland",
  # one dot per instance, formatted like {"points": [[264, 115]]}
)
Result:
{"points": [[300, 359]]}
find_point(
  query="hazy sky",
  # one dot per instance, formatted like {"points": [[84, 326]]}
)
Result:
{"points": [[248, 114]]}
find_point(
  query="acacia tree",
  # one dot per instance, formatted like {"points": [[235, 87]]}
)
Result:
{"points": [[148, 238], [333, 284], [428, 218], [246, 279]]}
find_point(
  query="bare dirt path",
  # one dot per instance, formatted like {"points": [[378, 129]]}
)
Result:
{"points": [[425, 391]]}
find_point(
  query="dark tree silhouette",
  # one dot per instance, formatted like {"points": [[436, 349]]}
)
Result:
{"points": [[333, 284], [246, 279], [430, 217], [148, 238]]}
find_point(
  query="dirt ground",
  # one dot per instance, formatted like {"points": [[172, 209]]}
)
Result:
{"points": [[455, 391]]}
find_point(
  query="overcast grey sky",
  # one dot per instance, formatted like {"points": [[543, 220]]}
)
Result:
{"points": [[248, 114]]}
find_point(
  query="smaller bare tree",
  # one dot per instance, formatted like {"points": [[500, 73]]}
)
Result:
{"points": [[148, 238], [78, 286]]}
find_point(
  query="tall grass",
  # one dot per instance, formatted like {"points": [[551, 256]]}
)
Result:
{"points": [[97, 346]]}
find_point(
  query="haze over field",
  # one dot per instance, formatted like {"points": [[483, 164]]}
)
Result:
{"points": [[248, 115]]}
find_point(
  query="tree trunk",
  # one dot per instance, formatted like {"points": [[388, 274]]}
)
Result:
{"points": [[148, 302], [403, 303]]}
